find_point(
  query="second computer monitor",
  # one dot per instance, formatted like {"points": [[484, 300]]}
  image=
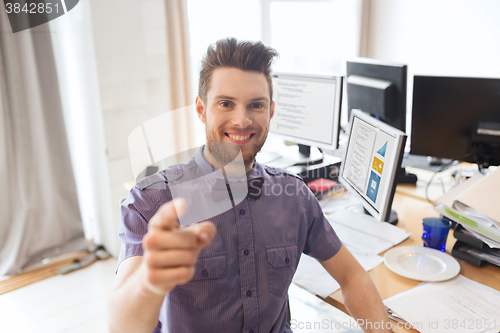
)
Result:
{"points": [[378, 88], [373, 156], [457, 118], [307, 109]]}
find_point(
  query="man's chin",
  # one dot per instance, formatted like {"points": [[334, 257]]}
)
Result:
{"points": [[249, 157]]}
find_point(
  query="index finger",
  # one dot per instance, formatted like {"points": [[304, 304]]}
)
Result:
{"points": [[167, 215]]}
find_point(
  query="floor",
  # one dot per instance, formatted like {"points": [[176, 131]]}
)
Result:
{"points": [[76, 303]]}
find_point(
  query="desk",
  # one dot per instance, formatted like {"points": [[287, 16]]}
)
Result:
{"points": [[411, 210]]}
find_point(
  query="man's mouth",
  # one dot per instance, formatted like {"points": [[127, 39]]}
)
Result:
{"points": [[240, 138]]}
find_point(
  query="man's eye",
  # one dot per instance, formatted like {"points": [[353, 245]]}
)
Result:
{"points": [[257, 105], [225, 104]]}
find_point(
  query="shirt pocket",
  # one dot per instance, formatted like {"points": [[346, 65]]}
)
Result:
{"points": [[282, 263], [209, 285]]}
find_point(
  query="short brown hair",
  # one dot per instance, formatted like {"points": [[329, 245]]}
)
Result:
{"points": [[231, 53]]}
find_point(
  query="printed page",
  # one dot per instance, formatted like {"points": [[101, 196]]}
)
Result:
{"points": [[364, 232], [459, 305], [311, 276]]}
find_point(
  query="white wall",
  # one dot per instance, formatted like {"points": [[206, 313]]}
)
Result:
{"points": [[131, 57], [437, 37]]}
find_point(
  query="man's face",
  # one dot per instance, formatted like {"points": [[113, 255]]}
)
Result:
{"points": [[238, 110]]}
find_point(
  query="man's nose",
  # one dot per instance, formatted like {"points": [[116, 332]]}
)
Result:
{"points": [[241, 117]]}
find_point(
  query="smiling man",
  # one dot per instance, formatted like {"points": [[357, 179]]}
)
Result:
{"points": [[231, 274], [236, 109]]}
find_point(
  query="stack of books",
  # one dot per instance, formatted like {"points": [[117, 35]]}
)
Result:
{"points": [[475, 206]]}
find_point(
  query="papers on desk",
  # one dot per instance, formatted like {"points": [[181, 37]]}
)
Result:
{"points": [[474, 204], [334, 203], [363, 236], [364, 233], [457, 305], [311, 276]]}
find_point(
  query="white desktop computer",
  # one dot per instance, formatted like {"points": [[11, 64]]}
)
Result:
{"points": [[373, 155], [307, 112]]}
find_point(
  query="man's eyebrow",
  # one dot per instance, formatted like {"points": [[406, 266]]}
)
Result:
{"points": [[233, 98], [224, 97], [260, 99]]}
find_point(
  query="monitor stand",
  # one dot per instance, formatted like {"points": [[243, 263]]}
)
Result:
{"points": [[303, 155], [404, 177], [393, 217]]}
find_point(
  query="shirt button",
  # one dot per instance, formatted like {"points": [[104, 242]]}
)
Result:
{"points": [[246, 252], [242, 212], [287, 260], [249, 293], [177, 171], [204, 273]]}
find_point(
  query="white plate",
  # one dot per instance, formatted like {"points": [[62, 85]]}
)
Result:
{"points": [[421, 263]]}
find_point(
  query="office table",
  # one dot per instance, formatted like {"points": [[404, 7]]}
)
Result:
{"points": [[411, 210]]}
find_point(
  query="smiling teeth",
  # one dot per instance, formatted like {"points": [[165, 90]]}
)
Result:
{"points": [[239, 137]]}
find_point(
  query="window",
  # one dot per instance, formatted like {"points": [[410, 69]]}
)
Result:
{"points": [[313, 36], [213, 20]]}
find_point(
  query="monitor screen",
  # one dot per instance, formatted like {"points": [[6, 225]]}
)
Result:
{"points": [[379, 89], [456, 118], [307, 109], [373, 155]]}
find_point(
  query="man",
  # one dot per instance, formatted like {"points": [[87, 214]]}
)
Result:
{"points": [[231, 274]]}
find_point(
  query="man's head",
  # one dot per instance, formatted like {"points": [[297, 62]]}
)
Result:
{"points": [[230, 53], [235, 98]]}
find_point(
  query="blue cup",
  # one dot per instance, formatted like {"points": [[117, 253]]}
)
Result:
{"points": [[435, 232]]}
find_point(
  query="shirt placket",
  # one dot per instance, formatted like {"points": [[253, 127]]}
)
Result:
{"points": [[248, 274]]}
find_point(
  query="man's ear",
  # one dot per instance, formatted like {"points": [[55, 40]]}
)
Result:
{"points": [[272, 110], [200, 110]]}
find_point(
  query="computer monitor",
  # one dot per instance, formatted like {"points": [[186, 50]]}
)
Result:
{"points": [[456, 118], [379, 89], [307, 112], [373, 155]]}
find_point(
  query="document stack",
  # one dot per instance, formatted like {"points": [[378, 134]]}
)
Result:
{"points": [[475, 206]]}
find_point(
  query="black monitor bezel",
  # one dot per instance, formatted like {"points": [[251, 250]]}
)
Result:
{"points": [[389, 71], [452, 106]]}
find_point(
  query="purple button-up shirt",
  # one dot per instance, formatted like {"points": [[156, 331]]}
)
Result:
{"points": [[242, 277]]}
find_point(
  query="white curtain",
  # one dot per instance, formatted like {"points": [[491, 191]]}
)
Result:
{"points": [[40, 215], [78, 84]]}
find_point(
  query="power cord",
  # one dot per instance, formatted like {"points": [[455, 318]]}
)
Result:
{"points": [[441, 168]]}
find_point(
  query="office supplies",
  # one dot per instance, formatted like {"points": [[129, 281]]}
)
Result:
{"points": [[373, 156], [412, 208], [480, 201], [483, 255], [470, 248], [311, 276], [322, 186], [363, 236], [456, 118], [454, 306], [307, 112], [421, 263], [365, 233], [484, 197]]}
